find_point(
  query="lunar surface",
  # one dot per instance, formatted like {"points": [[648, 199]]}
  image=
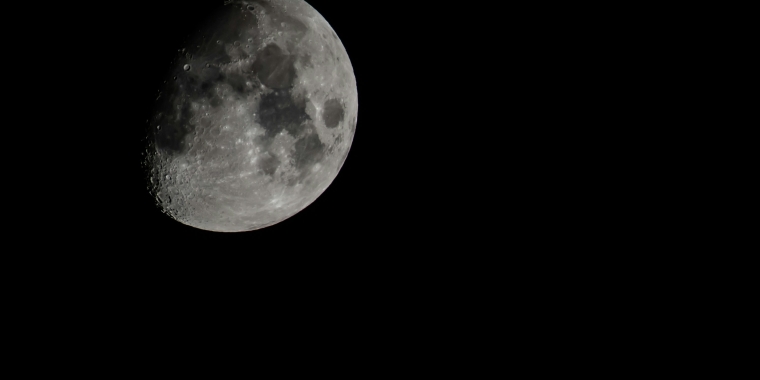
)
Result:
{"points": [[255, 119]]}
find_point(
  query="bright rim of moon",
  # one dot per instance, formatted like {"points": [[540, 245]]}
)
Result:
{"points": [[255, 119]]}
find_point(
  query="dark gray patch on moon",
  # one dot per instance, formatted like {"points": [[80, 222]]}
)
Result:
{"points": [[174, 126], [269, 164], [279, 111], [333, 113], [237, 82], [263, 3], [275, 68], [310, 150]]}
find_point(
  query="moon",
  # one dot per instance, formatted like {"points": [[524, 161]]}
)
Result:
{"points": [[255, 119]]}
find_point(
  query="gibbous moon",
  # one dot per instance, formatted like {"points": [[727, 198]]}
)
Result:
{"points": [[255, 119]]}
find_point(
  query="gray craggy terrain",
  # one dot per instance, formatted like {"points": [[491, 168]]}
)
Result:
{"points": [[255, 119]]}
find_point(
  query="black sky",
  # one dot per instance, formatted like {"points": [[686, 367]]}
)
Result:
{"points": [[434, 158], [388, 192]]}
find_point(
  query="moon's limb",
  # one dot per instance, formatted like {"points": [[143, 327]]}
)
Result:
{"points": [[259, 119]]}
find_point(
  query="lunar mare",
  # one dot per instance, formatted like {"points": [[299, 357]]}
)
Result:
{"points": [[255, 119]]}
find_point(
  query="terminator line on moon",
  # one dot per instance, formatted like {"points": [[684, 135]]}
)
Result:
{"points": [[255, 119]]}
